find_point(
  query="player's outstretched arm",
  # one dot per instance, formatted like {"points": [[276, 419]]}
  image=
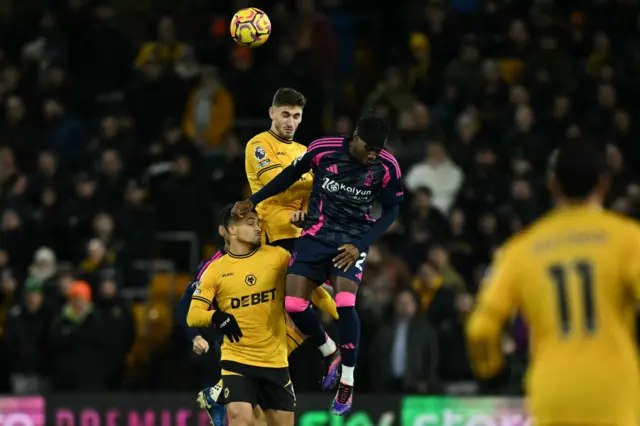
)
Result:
{"points": [[391, 197], [483, 339], [182, 309], [262, 159], [278, 184], [349, 253], [281, 182], [386, 219], [303, 186], [497, 302]]}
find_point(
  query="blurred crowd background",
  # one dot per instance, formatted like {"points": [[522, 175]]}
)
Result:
{"points": [[122, 133]]}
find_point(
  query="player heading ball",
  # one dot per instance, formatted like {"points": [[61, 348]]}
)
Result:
{"points": [[349, 175]]}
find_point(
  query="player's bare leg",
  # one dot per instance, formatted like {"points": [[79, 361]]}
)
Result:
{"points": [[240, 414], [296, 303], [299, 286], [278, 418], [259, 418], [349, 328]]}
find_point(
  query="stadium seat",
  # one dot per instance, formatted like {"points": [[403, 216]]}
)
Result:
{"points": [[154, 322], [140, 351], [140, 319], [180, 284], [160, 320], [161, 286]]}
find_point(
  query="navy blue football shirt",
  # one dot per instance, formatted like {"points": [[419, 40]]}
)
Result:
{"points": [[344, 190]]}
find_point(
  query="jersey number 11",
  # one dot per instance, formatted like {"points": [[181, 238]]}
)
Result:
{"points": [[584, 271]]}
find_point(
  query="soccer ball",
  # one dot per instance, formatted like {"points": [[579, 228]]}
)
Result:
{"points": [[250, 27]]}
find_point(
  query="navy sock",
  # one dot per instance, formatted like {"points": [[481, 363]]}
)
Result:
{"points": [[309, 325], [349, 326]]}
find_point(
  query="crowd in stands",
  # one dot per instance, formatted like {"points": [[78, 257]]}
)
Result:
{"points": [[112, 135]]}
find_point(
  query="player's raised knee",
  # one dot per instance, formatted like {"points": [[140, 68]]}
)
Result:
{"points": [[295, 304], [345, 299]]}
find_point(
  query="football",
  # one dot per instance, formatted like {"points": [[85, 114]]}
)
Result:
{"points": [[250, 27]]}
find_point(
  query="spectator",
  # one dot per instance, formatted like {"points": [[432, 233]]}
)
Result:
{"points": [[112, 179], [467, 140], [229, 167], [152, 98], [439, 256], [244, 82], [522, 142], [172, 144], [119, 330], [9, 175], [102, 55], [48, 175], [78, 211], [424, 215], [49, 45], [20, 134], [78, 344], [458, 241], [8, 290], [58, 293], [48, 219], [65, 135], [14, 239], [393, 91], [98, 259], [210, 111], [466, 70], [178, 198], [375, 297], [499, 84], [43, 267], [27, 337], [113, 137], [104, 229], [136, 221], [445, 310], [166, 49], [187, 68], [484, 186], [440, 174], [405, 352], [55, 84], [315, 39], [417, 127], [524, 205]]}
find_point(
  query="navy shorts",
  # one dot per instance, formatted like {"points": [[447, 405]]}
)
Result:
{"points": [[288, 244], [313, 259]]}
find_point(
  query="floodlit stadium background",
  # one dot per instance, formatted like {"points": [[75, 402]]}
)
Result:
{"points": [[113, 166]]}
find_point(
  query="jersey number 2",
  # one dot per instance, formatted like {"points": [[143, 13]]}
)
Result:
{"points": [[360, 261], [558, 274]]}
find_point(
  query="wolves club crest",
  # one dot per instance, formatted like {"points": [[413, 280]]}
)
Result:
{"points": [[250, 280]]}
